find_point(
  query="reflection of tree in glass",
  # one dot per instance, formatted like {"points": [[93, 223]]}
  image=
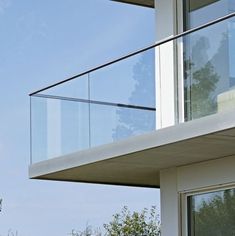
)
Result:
{"points": [[199, 51], [216, 217], [136, 121], [200, 82], [202, 103]]}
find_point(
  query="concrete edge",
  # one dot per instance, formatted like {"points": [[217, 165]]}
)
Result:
{"points": [[188, 130]]}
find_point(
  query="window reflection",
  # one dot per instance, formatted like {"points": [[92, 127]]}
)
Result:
{"points": [[209, 76], [212, 214]]}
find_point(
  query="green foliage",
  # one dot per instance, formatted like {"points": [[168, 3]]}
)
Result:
{"points": [[134, 224], [145, 223]]}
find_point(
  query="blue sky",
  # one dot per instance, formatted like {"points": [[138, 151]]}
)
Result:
{"points": [[42, 42]]}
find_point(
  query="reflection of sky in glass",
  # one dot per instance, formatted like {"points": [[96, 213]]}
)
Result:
{"points": [[207, 197], [214, 34], [74, 125], [232, 47], [38, 129], [117, 82], [70, 126], [61, 127], [58, 127], [212, 45], [210, 57], [113, 83], [77, 88], [211, 12], [212, 213], [110, 123]]}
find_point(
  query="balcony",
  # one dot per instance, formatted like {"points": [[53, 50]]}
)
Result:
{"points": [[116, 124]]}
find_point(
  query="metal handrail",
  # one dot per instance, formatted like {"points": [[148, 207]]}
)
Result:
{"points": [[139, 51]]}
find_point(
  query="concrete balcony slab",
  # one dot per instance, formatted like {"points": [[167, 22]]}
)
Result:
{"points": [[137, 161]]}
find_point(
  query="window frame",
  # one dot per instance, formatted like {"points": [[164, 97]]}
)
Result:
{"points": [[184, 203]]}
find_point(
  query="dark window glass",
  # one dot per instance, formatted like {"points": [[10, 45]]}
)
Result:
{"points": [[212, 214]]}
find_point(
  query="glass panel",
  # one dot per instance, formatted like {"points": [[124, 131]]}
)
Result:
{"points": [[117, 101], [58, 127], [95, 109], [212, 214], [38, 129], [130, 81], [198, 12], [209, 72], [112, 123], [77, 88]]}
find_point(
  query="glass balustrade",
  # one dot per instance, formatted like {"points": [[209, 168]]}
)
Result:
{"points": [[100, 107], [130, 96]]}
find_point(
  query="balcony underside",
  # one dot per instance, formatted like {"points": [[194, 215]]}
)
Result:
{"points": [[137, 161], [144, 3]]}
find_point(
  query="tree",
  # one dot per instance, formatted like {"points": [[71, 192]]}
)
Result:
{"points": [[134, 224], [144, 223]]}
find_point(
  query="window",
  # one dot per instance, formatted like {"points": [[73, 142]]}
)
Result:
{"points": [[208, 58], [211, 214]]}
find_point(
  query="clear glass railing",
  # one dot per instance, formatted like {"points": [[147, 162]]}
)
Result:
{"points": [[118, 100], [99, 107]]}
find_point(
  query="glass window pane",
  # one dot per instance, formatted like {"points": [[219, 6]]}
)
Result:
{"points": [[212, 214], [198, 12], [209, 75]]}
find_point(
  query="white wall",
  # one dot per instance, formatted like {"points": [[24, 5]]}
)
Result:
{"points": [[165, 61], [165, 104], [169, 203], [207, 174], [177, 182]]}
